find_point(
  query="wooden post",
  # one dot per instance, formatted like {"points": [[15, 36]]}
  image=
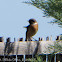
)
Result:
{"points": [[42, 39], [20, 39], [1, 39], [58, 38], [47, 38], [8, 39], [39, 39], [14, 39], [51, 38]]}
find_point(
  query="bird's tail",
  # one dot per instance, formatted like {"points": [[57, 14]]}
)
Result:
{"points": [[25, 27]]}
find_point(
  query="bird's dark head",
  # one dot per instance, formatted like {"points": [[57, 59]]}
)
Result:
{"points": [[32, 21]]}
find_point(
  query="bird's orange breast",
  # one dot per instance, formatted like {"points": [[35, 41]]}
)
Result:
{"points": [[32, 30]]}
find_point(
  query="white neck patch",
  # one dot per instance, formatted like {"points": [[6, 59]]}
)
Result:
{"points": [[34, 23]]}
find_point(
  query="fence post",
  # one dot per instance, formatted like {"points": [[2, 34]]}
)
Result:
{"points": [[58, 38], [14, 39], [20, 39], [24, 58], [42, 39], [51, 38], [4, 57], [47, 38], [55, 58], [8, 39], [16, 57], [1, 39], [46, 57], [39, 39]]}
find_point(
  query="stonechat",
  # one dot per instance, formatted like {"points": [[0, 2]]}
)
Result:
{"points": [[32, 29]]}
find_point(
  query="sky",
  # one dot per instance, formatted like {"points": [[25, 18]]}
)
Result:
{"points": [[14, 15]]}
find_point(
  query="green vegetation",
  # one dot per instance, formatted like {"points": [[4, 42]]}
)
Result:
{"points": [[57, 47], [41, 58], [51, 8], [37, 59]]}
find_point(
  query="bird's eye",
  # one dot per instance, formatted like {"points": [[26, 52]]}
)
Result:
{"points": [[33, 21]]}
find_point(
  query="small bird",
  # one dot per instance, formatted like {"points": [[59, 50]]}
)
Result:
{"points": [[32, 29]]}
